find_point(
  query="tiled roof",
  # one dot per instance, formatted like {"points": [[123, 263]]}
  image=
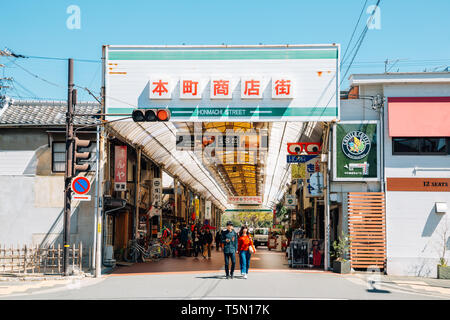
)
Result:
{"points": [[44, 113]]}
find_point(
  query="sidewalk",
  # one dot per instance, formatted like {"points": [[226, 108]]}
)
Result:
{"points": [[422, 285]]}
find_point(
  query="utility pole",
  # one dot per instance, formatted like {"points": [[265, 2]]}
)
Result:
{"points": [[69, 169]]}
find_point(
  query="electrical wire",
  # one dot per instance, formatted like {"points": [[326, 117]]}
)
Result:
{"points": [[35, 75], [360, 41], [353, 33], [63, 59]]}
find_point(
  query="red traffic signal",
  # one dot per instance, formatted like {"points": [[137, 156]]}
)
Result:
{"points": [[150, 115]]}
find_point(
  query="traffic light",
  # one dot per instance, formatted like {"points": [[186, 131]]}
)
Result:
{"points": [[150, 115], [81, 155]]}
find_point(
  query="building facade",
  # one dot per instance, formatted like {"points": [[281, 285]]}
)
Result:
{"points": [[415, 164]]}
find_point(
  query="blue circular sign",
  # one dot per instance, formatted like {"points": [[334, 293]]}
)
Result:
{"points": [[81, 185]]}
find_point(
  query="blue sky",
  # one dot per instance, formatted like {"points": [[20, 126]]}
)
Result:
{"points": [[412, 30]]}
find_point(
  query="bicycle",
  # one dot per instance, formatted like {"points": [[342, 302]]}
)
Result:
{"points": [[135, 251], [167, 251], [155, 251]]}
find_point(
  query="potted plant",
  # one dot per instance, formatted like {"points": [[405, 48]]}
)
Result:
{"points": [[443, 270], [340, 250]]}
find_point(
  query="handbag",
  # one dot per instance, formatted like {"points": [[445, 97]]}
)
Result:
{"points": [[250, 247]]}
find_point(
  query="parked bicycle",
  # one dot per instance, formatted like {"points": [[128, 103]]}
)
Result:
{"points": [[136, 252], [155, 251]]}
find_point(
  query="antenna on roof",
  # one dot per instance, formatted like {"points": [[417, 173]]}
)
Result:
{"points": [[392, 62]]}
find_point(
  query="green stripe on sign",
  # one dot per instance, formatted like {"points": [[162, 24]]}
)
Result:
{"points": [[237, 112], [113, 110], [261, 112], [224, 54]]}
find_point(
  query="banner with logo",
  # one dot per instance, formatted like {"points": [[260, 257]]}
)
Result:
{"points": [[291, 201], [356, 151]]}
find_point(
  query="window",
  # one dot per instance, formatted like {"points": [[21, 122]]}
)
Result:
{"points": [[262, 231], [420, 146], [58, 156]]}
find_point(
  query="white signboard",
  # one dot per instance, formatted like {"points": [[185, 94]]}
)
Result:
{"points": [[291, 201], [225, 83], [156, 196], [208, 210], [245, 200]]}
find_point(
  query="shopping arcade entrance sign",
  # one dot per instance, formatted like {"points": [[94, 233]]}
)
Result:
{"points": [[225, 83]]}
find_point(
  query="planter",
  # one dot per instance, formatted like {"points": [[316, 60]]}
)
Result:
{"points": [[443, 272], [342, 266]]}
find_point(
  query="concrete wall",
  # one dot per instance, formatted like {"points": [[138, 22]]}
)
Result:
{"points": [[414, 229], [31, 204]]}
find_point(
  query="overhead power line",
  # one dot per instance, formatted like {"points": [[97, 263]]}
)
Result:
{"points": [[360, 41], [353, 33]]}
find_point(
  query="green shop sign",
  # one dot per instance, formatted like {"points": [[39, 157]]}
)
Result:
{"points": [[356, 151]]}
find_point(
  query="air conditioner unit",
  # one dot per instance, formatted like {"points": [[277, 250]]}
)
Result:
{"points": [[441, 207]]}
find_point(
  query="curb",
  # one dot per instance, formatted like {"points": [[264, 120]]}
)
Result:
{"points": [[19, 278]]}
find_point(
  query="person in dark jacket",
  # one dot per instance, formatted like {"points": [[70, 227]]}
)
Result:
{"points": [[218, 239], [230, 247], [207, 241], [184, 238], [197, 240]]}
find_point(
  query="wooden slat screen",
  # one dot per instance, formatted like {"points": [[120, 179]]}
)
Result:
{"points": [[367, 229]]}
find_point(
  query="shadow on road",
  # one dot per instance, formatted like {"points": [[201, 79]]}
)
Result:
{"points": [[375, 290], [212, 277]]}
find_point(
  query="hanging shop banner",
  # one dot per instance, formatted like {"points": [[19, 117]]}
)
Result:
{"points": [[157, 196], [225, 83], [245, 200], [304, 148], [197, 207], [208, 210], [120, 168], [313, 186], [298, 171], [356, 151], [291, 201], [299, 158], [226, 141]]}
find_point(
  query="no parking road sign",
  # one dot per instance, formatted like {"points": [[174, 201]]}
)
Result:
{"points": [[81, 186]]}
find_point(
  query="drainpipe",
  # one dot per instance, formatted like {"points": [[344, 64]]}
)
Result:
{"points": [[326, 199], [382, 147], [96, 204]]}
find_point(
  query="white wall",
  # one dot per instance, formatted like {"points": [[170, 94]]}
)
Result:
{"points": [[413, 227]]}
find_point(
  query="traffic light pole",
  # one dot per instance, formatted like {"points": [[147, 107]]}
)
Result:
{"points": [[68, 172]]}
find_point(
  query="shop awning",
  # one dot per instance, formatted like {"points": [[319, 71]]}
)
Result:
{"points": [[419, 116]]}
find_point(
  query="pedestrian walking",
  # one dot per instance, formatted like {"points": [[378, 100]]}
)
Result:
{"points": [[230, 247], [196, 238], [245, 247], [218, 239], [207, 242]]}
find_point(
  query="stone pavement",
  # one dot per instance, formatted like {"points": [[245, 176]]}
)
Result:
{"points": [[190, 278], [262, 259]]}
